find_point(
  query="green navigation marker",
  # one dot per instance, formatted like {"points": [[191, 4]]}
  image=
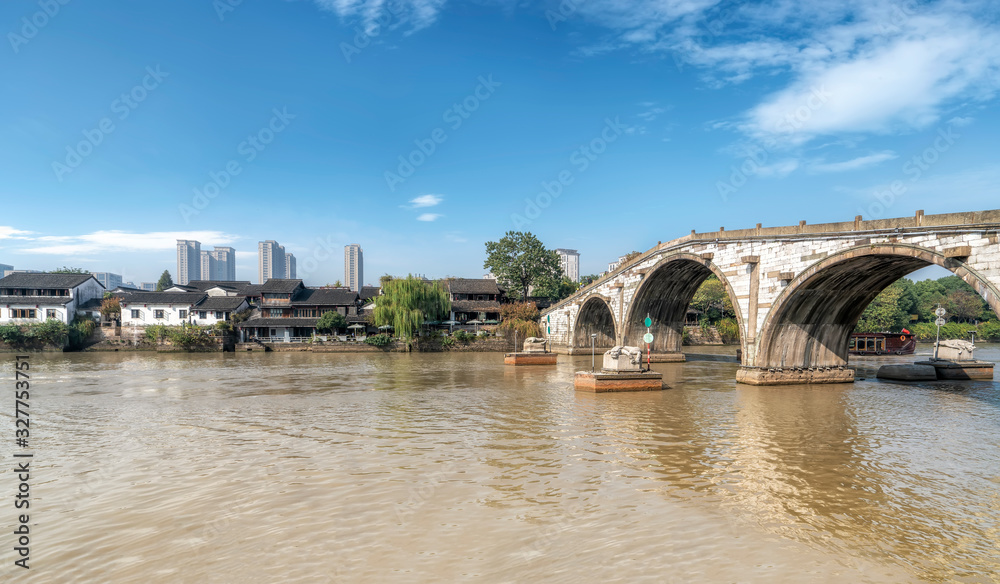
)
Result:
{"points": [[649, 322]]}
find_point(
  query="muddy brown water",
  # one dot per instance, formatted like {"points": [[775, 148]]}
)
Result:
{"points": [[294, 467]]}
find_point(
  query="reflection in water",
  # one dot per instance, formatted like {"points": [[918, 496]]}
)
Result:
{"points": [[439, 467]]}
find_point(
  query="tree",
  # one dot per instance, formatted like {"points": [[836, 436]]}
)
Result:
{"points": [[519, 260], [111, 307], [164, 282], [555, 290], [519, 317], [407, 302], [69, 270], [588, 280], [884, 314], [630, 256], [964, 305], [331, 321], [712, 300]]}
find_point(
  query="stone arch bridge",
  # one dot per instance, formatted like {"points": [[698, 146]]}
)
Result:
{"points": [[798, 291]]}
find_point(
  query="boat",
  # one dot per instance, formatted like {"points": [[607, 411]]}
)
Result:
{"points": [[901, 343]]}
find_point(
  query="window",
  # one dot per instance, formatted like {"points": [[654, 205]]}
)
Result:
{"points": [[22, 313], [202, 314], [135, 314], [182, 313], [219, 315], [50, 313], [157, 314]]}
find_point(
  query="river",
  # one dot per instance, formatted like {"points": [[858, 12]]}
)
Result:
{"points": [[297, 467]]}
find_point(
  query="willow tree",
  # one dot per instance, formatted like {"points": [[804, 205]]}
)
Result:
{"points": [[406, 303]]}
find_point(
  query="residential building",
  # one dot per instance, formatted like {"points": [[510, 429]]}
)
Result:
{"points": [[213, 309], [108, 280], [289, 266], [289, 311], [616, 264], [270, 261], [4, 268], [473, 300], [167, 308], [354, 267], [188, 260], [37, 297], [147, 286], [218, 264], [569, 260]]}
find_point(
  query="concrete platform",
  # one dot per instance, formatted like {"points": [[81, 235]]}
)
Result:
{"points": [[907, 372], [530, 358], [600, 382], [961, 370], [793, 376]]}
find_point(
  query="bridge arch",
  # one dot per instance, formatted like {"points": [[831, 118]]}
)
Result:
{"points": [[664, 294], [811, 321], [595, 317]]}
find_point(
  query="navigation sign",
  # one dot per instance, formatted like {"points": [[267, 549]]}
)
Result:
{"points": [[940, 321], [649, 322], [648, 337], [940, 311]]}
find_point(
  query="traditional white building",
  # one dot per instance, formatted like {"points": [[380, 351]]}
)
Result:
{"points": [[37, 297], [213, 309], [166, 308]]}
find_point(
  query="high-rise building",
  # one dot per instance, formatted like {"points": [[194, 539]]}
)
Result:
{"points": [[270, 261], [289, 266], [218, 264], [108, 280], [4, 268], [188, 261], [354, 266], [148, 286], [569, 259]]}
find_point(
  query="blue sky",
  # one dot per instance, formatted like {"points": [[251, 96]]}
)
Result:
{"points": [[423, 128]]}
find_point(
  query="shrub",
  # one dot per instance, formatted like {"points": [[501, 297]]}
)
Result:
{"points": [[990, 331], [80, 331], [448, 341], [519, 311], [379, 340], [729, 330], [12, 335], [50, 332], [464, 336], [524, 329]]}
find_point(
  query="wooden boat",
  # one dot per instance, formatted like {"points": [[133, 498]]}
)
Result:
{"points": [[902, 343]]}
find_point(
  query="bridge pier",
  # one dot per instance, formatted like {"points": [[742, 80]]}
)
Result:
{"points": [[793, 375]]}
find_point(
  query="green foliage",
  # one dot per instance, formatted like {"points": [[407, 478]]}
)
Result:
{"points": [[80, 331], [990, 331], [236, 318], [407, 302], [111, 307], [464, 336], [555, 289], [519, 260], [12, 335], [448, 341], [379, 340], [331, 321], [712, 300], [729, 330], [164, 282], [50, 332], [892, 308], [223, 326], [885, 313], [589, 279], [69, 270], [156, 332]]}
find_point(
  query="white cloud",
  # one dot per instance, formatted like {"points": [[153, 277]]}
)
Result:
{"points": [[778, 169], [122, 241], [379, 15], [7, 232], [428, 217], [426, 200], [961, 121], [855, 163]]}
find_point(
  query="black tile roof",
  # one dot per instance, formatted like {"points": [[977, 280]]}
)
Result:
{"points": [[188, 298], [369, 292], [325, 297], [227, 284], [471, 286], [220, 303], [35, 280], [276, 322], [279, 286], [475, 306], [250, 290], [29, 300]]}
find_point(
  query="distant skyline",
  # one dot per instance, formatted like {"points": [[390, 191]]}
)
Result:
{"points": [[423, 129]]}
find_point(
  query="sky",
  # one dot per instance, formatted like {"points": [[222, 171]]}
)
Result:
{"points": [[423, 128]]}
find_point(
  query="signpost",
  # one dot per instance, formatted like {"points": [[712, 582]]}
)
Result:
{"points": [[648, 337], [940, 322]]}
